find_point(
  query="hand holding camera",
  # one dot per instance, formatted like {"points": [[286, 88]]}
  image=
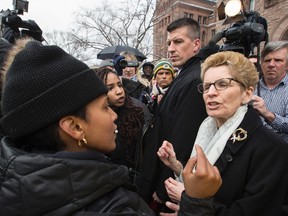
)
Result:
{"points": [[120, 63]]}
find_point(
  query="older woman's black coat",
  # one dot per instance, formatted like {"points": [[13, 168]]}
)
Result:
{"points": [[254, 172]]}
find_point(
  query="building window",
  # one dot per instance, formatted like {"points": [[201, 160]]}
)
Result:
{"points": [[270, 3], [203, 37], [213, 32], [185, 14], [204, 21], [191, 15], [199, 19]]}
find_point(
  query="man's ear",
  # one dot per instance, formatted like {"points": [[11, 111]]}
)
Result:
{"points": [[72, 126], [197, 45]]}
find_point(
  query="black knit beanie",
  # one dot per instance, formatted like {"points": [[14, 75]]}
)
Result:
{"points": [[42, 85]]}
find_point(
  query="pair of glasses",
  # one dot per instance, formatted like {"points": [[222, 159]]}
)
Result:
{"points": [[219, 85]]}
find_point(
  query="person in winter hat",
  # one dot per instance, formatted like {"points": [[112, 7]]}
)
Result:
{"points": [[58, 124], [163, 65], [163, 76], [147, 70]]}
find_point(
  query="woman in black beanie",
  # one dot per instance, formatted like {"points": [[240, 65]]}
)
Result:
{"points": [[58, 124]]}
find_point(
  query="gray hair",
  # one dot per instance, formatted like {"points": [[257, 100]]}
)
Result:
{"points": [[273, 46]]}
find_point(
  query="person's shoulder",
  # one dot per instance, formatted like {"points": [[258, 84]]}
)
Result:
{"points": [[259, 136], [139, 103], [131, 83], [266, 140], [192, 64]]}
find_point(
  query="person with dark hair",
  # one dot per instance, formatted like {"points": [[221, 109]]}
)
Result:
{"points": [[133, 118], [180, 111], [144, 76], [271, 95], [147, 70], [58, 125]]}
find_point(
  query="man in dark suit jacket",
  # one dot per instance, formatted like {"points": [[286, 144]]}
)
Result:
{"points": [[180, 112]]}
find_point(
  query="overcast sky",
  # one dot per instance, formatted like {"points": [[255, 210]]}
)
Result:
{"points": [[52, 14]]}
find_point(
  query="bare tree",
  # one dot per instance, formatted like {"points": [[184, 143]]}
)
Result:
{"points": [[128, 22], [109, 24], [65, 41]]}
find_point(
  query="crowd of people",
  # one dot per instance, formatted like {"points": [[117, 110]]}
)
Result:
{"points": [[193, 134]]}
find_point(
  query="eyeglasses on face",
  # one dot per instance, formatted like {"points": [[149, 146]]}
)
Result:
{"points": [[219, 85]]}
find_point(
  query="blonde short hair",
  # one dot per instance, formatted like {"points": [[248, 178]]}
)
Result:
{"points": [[240, 67], [129, 55]]}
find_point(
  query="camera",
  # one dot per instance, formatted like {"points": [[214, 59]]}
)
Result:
{"points": [[11, 18], [243, 36], [123, 63]]}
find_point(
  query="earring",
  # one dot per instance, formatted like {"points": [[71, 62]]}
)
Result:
{"points": [[84, 141], [80, 143]]}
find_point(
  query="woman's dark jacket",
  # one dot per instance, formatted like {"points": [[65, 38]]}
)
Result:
{"points": [[254, 172], [133, 88], [65, 183]]}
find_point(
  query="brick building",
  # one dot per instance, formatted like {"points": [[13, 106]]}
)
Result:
{"points": [[276, 14], [205, 12]]}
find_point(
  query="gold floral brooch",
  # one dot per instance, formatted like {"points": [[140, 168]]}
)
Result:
{"points": [[239, 135]]}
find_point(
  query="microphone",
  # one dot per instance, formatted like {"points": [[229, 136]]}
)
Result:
{"points": [[13, 21], [215, 39]]}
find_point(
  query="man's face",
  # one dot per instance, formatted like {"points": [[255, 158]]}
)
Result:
{"points": [[181, 47], [164, 78], [148, 70], [274, 66], [128, 72]]}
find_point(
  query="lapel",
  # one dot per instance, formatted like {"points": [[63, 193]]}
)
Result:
{"points": [[250, 124]]}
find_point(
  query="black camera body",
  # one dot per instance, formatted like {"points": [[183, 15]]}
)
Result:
{"points": [[124, 63], [243, 36], [11, 18]]}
